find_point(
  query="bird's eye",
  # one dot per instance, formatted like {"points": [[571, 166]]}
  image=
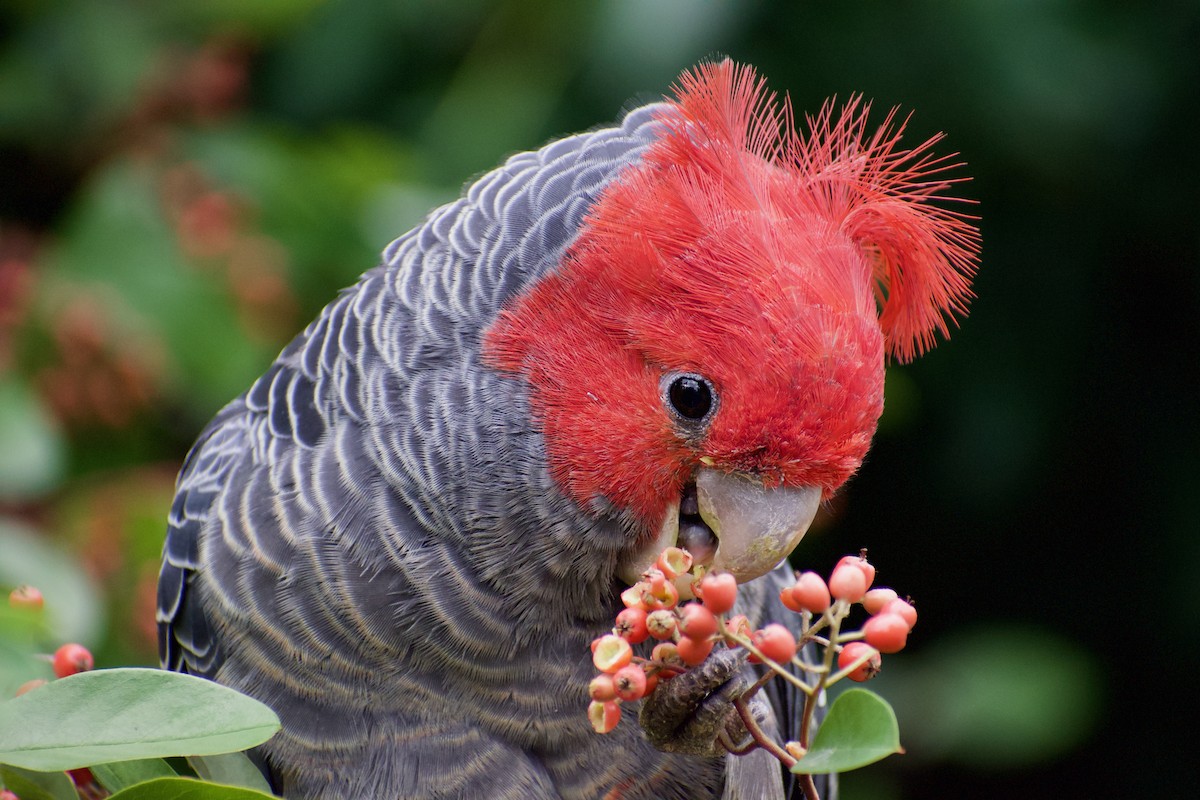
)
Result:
{"points": [[691, 396]]}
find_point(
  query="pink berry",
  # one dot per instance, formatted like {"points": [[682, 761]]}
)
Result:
{"points": [[674, 561], [738, 624], [5, 794], [662, 624], [602, 688], [864, 671], [658, 591], [631, 625], [611, 653], [72, 658], [874, 600], [776, 643], [697, 622], [904, 609], [693, 651], [848, 582], [26, 597], [632, 597], [604, 716], [861, 562], [887, 633], [630, 682], [666, 653], [789, 600], [811, 593], [718, 591]]}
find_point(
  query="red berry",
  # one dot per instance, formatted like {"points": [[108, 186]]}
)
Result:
{"points": [[693, 651], [602, 688], [864, 671], [82, 778], [651, 683], [664, 595], [718, 591], [632, 597], [655, 578], [904, 609], [848, 582], [874, 600], [611, 653], [72, 658], [666, 653], [662, 624], [811, 593], [604, 716], [631, 625], [789, 601], [739, 625], [861, 562], [5, 794], [630, 682], [887, 633], [776, 643], [697, 622], [25, 597], [674, 561]]}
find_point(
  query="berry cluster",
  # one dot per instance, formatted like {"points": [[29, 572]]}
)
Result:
{"points": [[687, 633], [68, 659]]}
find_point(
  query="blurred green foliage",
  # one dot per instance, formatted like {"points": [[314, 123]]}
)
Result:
{"points": [[183, 186]]}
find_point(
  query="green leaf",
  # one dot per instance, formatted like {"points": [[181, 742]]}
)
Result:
{"points": [[232, 769], [859, 729], [30, 785], [33, 455], [118, 775], [124, 714], [186, 789]]}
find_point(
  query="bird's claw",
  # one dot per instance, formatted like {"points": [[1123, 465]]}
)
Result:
{"points": [[687, 713]]}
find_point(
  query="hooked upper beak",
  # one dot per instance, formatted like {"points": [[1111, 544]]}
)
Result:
{"points": [[754, 527]]}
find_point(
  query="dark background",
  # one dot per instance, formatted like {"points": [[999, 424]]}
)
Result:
{"points": [[183, 186]]}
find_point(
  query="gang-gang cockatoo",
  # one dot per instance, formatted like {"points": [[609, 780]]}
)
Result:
{"points": [[404, 536]]}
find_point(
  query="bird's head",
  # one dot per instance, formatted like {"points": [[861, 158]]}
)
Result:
{"points": [[709, 355]]}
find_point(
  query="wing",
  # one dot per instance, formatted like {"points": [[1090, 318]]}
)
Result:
{"points": [[304, 392], [185, 638]]}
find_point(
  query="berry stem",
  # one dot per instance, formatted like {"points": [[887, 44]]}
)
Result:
{"points": [[808, 786], [762, 739], [736, 749], [775, 667]]}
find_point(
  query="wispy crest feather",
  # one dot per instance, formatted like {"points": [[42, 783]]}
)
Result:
{"points": [[882, 196]]}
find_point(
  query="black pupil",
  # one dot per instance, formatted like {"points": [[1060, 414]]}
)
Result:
{"points": [[690, 396]]}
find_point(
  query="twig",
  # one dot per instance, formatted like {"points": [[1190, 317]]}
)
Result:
{"points": [[762, 739]]}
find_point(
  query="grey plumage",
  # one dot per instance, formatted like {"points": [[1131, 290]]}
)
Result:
{"points": [[370, 542]]}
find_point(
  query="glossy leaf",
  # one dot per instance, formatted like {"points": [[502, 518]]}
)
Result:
{"points": [[118, 775], [231, 769], [859, 729], [30, 785], [186, 789], [123, 714]]}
